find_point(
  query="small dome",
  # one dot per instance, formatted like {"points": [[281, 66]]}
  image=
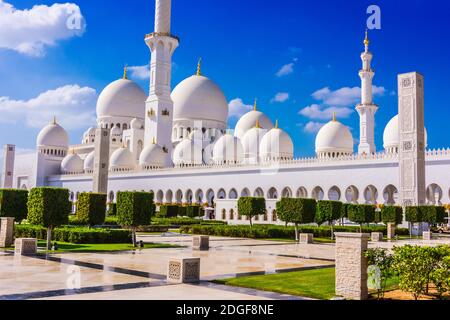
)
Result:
{"points": [[228, 150], [122, 98], [248, 122], [72, 164], [334, 138], [208, 153], [89, 162], [276, 145], [153, 156], [137, 124], [252, 143], [199, 98], [116, 131], [391, 136], [53, 135], [188, 152], [122, 159]]}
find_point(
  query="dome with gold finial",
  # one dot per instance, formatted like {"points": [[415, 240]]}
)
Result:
{"points": [[53, 135], [276, 145], [334, 140], [72, 164], [228, 150], [198, 98], [251, 143], [122, 98], [153, 157], [247, 122]]}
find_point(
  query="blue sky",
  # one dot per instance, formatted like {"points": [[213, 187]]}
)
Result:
{"points": [[244, 45]]}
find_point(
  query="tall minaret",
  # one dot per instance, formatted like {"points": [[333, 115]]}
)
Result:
{"points": [[159, 105], [367, 108]]}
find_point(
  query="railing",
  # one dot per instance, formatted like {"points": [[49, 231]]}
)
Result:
{"points": [[434, 154]]}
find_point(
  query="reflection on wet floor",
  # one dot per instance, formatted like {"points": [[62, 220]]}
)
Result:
{"points": [[112, 273]]}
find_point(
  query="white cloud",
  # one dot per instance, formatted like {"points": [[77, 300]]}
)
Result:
{"points": [[344, 96], [313, 127], [140, 72], [319, 112], [341, 102], [74, 106], [31, 31], [281, 97], [285, 70], [237, 108]]}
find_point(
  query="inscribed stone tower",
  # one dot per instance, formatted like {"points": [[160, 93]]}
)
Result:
{"points": [[8, 166], [412, 139], [101, 161]]}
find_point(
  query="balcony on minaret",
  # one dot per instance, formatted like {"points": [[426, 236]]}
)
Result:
{"points": [[165, 113], [151, 113]]}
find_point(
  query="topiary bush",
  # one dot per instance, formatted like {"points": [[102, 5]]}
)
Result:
{"points": [[413, 215], [361, 213], [49, 208], [134, 209], [91, 208], [251, 207], [13, 204], [328, 211], [392, 214], [194, 211], [433, 214], [296, 211], [112, 209], [76, 235], [169, 211]]}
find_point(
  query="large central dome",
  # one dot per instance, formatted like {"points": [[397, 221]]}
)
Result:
{"points": [[122, 98], [199, 98]]}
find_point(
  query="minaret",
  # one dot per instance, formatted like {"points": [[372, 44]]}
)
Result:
{"points": [[159, 105], [367, 108]]}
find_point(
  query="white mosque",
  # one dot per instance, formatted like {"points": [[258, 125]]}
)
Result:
{"points": [[177, 145]]}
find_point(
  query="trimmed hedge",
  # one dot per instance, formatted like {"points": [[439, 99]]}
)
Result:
{"points": [[392, 214], [169, 211], [276, 232], [134, 208], [433, 214], [328, 211], [344, 210], [361, 213], [49, 207], [297, 211], [251, 207], [112, 209], [413, 215], [194, 212], [184, 222], [13, 204], [75, 235], [91, 208]]}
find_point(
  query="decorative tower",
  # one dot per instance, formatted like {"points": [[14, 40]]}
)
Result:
{"points": [[367, 109], [159, 105]]}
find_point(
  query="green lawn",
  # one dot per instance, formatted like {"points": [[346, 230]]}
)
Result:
{"points": [[318, 284], [73, 248]]}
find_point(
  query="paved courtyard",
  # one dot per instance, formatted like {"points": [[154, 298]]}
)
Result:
{"points": [[141, 275]]}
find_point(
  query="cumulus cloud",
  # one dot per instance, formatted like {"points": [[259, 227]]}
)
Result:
{"points": [[74, 106], [281, 97], [341, 102], [285, 70], [32, 31], [313, 127], [140, 72], [237, 108]]}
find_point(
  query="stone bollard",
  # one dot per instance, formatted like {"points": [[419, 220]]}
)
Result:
{"points": [[306, 238], [391, 231], [351, 265], [6, 232], [427, 235], [183, 270], [24, 247], [200, 243], [377, 236]]}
